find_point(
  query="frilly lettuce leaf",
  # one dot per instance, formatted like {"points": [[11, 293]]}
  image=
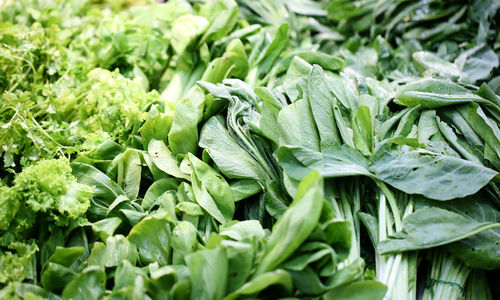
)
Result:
{"points": [[18, 264]]}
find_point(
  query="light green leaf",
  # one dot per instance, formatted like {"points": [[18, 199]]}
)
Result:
{"points": [[152, 238], [185, 30], [321, 102], [111, 254], [156, 190], [164, 159], [261, 282], [296, 224], [434, 93], [432, 227], [208, 271], [183, 136], [89, 284], [129, 173], [433, 175], [360, 290], [106, 227], [232, 160]]}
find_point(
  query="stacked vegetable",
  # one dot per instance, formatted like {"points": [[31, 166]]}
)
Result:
{"points": [[249, 149]]}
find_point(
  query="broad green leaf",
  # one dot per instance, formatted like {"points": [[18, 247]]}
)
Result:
{"points": [[211, 191], [157, 126], [111, 254], [344, 92], [267, 58], [344, 130], [261, 282], [427, 125], [152, 238], [297, 70], [183, 135], [108, 150], [66, 256], [275, 199], [308, 281], [339, 234], [385, 128], [296, 224], [429, 63], [244, 188], [477, 62], [453, 116], [337, 161], [156, 190], [121, 202], [164, 159], [433, 175], [406, 123], [360, 290], [325, 61], [232, 160], [88, 284], [106, 227], [184, 241], [321, 102], [185, 30], [363, 130], [297, 127], [486, 128], [235, 51], [55, 277], [462, 147], [129, 173], [488, 93], [222, 16], [434, 93], [310, 253], [105, 190], [125, 275], [240, 261], [432, 227], [208, 270], [233, 62], [272, 103], [162, 280], [189, 208], [181, 290], [478, 251], [205, 200], [179, 85], [243, 230], [133, 216]]}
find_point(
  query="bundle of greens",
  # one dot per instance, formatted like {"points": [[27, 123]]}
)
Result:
{"points": [[241, 149]]}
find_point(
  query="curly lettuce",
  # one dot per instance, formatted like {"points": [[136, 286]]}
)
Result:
{"points": [[107, 102], [17, 265], [46, 187]]}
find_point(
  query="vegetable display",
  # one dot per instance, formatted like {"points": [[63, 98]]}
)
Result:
{"points": [[235, 149]]}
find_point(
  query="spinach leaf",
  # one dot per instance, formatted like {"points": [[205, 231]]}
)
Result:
{"points": [[296, 224], [431, 227], [211, 191], [433, 175], [164, 159], [231, 159], [434, 93]]}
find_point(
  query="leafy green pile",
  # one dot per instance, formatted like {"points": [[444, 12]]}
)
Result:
{"points": [[249, 149]]}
